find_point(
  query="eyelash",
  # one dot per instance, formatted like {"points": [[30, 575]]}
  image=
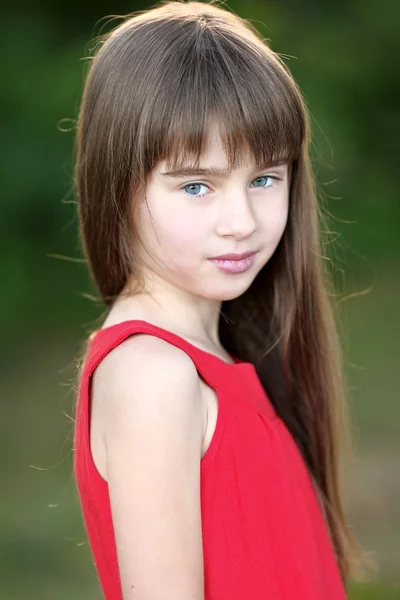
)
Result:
{"points": [[201, 183]]}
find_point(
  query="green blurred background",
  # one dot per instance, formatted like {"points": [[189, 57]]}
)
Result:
{"points": [[344, 56]]}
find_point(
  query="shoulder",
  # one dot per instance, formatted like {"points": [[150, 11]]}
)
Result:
{"points": [[142, 378], [139, 358]]}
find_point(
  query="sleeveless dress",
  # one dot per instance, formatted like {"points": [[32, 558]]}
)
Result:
{"points": [[264, 534]]}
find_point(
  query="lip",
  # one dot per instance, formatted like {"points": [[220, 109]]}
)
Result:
{"points": [[233, 256]]}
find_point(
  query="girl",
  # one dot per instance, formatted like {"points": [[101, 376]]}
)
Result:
{"points": [[210, 399]]}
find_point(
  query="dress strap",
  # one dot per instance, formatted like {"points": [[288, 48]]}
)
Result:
{"points": [[104, 340], [238, 379]]}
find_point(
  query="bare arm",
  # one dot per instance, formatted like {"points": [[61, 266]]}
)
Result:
{"points": [[153, 431]]}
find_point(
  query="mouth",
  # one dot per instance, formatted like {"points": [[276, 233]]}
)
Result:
{"points": [[234, 256], [229, 265]]}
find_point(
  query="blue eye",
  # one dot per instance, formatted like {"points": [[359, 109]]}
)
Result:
{"points": [[194, 185], [265, 177], [197, 184]]}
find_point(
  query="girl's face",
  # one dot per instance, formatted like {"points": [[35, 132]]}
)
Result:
{"points": [[195, 217]]}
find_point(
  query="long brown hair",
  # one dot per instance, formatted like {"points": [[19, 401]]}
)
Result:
{"points": [[156, 84]]}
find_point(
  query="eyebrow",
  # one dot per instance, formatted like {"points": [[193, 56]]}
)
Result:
{"points": [[189, 171]]}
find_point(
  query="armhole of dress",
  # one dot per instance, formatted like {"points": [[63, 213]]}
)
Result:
{"points": [[83, 416], [218, 430]]}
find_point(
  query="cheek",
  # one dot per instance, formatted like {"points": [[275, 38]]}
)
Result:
{"points": [[186, 233], [181, 230], [274, 219]]}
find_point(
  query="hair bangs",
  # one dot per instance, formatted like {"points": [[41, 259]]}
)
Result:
{"points": [[226, 87]]}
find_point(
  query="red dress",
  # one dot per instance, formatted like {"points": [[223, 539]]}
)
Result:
{"points": [[264, 536]]}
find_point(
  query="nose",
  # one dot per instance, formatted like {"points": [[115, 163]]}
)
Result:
{"points": [[238, 216]]}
